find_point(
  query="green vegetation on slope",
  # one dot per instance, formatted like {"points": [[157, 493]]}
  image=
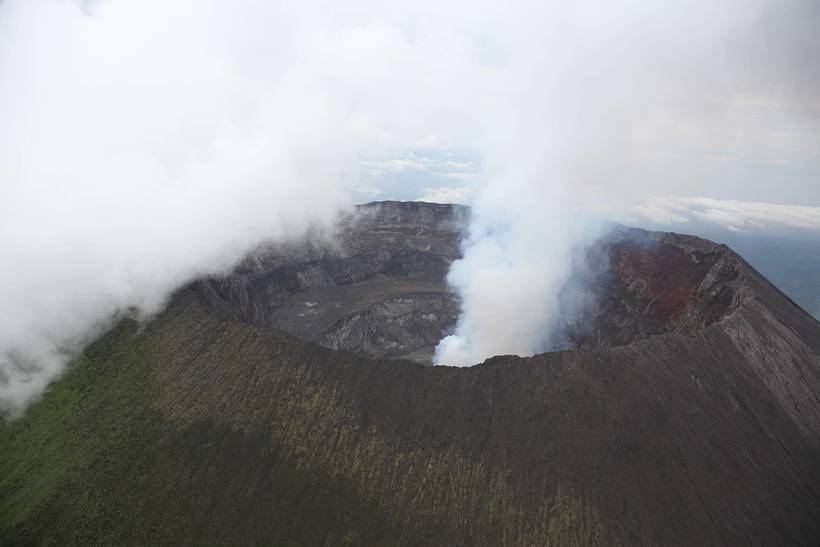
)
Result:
{"points": [[196, 431], [93, 461]]}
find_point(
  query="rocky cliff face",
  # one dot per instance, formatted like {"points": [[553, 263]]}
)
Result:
{"points": [[687, 413], [637, 284], [376, 287]]}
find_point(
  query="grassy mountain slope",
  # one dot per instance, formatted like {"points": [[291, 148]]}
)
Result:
{"points": [[201, 429]]}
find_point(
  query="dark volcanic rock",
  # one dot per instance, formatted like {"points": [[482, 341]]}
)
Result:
{"points": [[637, 284], [377, 287], [396, 327], [689, 415]]}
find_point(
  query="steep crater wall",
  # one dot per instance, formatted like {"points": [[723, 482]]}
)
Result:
{"points": [[377, 285], [636, 284]]}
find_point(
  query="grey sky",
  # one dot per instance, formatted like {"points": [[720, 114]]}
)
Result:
{"points": [[758, 153]]}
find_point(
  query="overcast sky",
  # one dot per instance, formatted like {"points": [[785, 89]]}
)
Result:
{"points": [[761, 152]]}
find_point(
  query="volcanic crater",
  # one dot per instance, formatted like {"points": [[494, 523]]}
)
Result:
{"points": [[377, 286], [685, 412]]}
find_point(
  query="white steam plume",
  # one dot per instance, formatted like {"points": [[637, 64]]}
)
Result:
{"points": [[597, 79], [146, 142]]}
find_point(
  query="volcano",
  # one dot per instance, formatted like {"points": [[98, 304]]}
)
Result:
{"points": [[292, 402]]}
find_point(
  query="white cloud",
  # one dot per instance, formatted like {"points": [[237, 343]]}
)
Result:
{"points": [[447, 194], [130, 166], [431, 142], [394, 166], [627, 96], [660, 214], [459, 165], [456, 175], [441, 168], [739, 216]]}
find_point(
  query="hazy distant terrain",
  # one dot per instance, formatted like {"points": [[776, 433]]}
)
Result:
{"points": [[791, 264]]}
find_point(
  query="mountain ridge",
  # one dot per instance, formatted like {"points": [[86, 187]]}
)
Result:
{"points": [[200, 428]]}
